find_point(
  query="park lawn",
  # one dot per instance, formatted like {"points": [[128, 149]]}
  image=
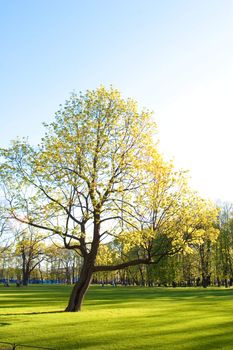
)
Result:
{"points": [[119, 318]]}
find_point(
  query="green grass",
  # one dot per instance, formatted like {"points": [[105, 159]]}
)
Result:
{"points": [[119, 318]]}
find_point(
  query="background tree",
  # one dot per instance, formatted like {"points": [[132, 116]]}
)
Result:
{"points": [[224, 246], [5, 239], [31, 250], [170, 218]]}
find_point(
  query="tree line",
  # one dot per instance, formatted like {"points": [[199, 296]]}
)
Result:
{"points": [[30, 258]]}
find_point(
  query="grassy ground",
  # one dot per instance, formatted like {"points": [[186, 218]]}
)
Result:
{"points": [[119, 318]]}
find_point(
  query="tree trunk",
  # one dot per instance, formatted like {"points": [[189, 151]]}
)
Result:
{"points": [[26, 276], [80, 288], [25, 271]]}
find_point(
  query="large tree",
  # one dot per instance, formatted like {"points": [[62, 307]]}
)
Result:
{"points": [[70, 183], [86, 181]]}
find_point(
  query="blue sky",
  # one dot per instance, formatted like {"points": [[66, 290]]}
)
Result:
{"points": [[174, 57]]}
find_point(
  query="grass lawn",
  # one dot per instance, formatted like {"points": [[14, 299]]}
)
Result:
{"points": [[119, 318]]}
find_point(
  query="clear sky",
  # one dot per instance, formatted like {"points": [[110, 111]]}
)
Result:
{"points": [[174, 57]]}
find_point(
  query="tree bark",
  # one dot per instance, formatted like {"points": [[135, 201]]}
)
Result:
{"points": [[80, 288], [25, 271]]}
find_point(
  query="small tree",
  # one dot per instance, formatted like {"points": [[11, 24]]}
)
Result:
{"points": [[31, 249]]}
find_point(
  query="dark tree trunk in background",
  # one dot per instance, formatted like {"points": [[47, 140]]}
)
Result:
{"points": [[25, 271]]}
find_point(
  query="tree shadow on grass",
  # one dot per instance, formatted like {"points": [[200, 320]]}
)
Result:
{"points": [[33, 313], [152, 338], [160, 339]]}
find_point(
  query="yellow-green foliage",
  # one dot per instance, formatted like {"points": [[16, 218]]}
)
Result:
{"points": [[98, 173]]}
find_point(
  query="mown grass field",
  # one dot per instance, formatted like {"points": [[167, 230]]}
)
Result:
{"points": [[119, 318]]}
